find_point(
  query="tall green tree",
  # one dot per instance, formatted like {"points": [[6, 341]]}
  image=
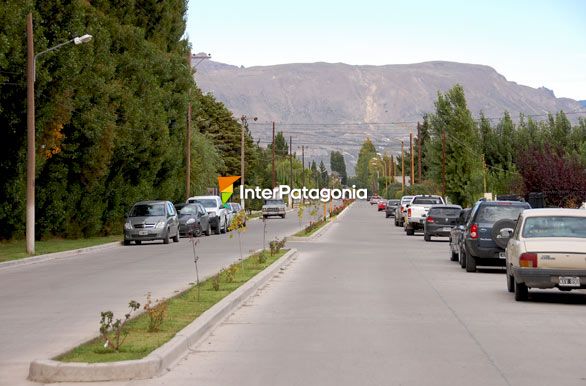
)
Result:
{"points": [[367, 152], [463, 167], [338, 165]]}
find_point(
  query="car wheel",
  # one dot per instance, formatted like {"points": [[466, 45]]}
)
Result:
{"points": [[454, 256], [409, 232], [426, 237], [282, 216], [470, 262], [126, 242], [176, 237], [521, 292], [208, 230], [198, 231], [138, 242], [166, 238], [224, 228], [510, 282], [461, 259]]}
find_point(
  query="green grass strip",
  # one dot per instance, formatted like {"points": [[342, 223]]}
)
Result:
{"points": [[16, 249], [182, 309]]}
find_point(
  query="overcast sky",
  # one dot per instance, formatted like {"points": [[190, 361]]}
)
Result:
{"points": [[535, 43]]}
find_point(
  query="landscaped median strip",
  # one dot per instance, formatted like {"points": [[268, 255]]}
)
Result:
{"points": [[154, 362], [317, 228]]}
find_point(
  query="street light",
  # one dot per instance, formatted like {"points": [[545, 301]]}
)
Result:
{"points": [[31, 131]]}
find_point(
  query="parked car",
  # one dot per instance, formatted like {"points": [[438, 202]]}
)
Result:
{"points": [[483, 243], [274, 207], [193, 220], [416, 212], [382, 204], [151, 220], [218, 214], [456, 235], [546, 250], [440, 220], [392, 205], [235, 208], [400, 212]]}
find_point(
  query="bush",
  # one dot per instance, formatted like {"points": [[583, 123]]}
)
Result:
{"points": [[113, 332], [156, 311]]}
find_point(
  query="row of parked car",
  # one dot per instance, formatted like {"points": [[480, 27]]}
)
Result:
{"points": [[540, 248], [199, 215], [162, 220]]}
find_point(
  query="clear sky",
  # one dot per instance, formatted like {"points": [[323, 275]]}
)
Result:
{"points": [[535, 43]]}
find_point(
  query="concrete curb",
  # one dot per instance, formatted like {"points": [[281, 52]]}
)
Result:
{"points": [[58, 255], [321, 231], [50, 371]]}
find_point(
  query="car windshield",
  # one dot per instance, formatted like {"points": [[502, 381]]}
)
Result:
{"points": [[444, 212], [493, 213], [148, 210], [426, 200], [188, 210], [555, 226], [274, 202], [406, 200], [393, 202], [208, 202]]}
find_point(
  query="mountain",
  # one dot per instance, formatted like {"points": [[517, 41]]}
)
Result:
{"points": [[583, 103], [334, 106]]}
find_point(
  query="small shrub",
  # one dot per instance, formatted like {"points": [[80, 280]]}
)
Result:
{"points": [[216, 281], [231, 273], [113, 332], [156, 311], [262, 257], [276, 245]]}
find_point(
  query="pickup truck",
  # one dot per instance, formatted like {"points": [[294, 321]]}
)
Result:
{"points": [[417, 212]]}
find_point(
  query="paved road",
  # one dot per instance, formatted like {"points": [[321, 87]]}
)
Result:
{"points": [[50, 306], [366, 305]]}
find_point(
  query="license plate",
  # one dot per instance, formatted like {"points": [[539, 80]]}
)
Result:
{"points": [[569, 281], [502, 255], [143, 233]]}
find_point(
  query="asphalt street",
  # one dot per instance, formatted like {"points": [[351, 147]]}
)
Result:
{"points": [[367, 305], [51, 306]]}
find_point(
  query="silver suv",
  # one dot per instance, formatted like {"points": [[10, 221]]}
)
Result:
{"points": [[151, 220]]}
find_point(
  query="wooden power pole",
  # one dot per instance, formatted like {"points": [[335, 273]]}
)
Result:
{"points": [[443, 163], [274, 182], [419, 153], [303, 165], [403, 166], [30, 138], [412, 159]]}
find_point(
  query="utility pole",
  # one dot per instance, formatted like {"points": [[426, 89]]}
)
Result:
{"points": [[274, 182], [403, 166], [443, 163], [30, 125], [291, 164], [188, 139], [419, 152], [392, 169], [412, 159], [303, 165]]}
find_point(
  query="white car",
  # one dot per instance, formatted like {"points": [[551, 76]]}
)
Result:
{"points": [[547, 249], [218, 214]]}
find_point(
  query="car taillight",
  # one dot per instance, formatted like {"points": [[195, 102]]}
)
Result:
{"points": [[474, 231], [429, 219], [528, 260], [409, 212]]}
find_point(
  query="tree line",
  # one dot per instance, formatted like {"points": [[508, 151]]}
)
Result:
{"points": [[500, 156], [111, 117]]}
